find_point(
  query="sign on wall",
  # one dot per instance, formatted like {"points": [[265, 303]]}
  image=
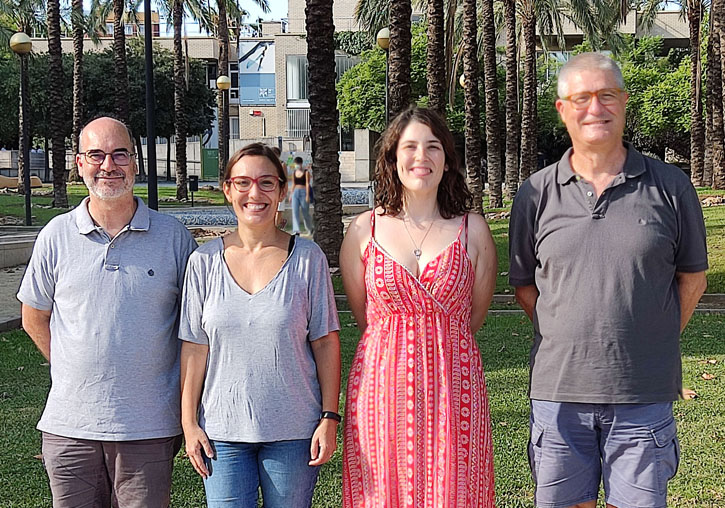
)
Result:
{"points": [[257, 85]]}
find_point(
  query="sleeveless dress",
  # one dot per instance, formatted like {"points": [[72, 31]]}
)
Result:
{"points": [[417, 429]]}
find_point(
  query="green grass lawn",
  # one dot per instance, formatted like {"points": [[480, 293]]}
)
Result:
{"points": [[504, 342]]}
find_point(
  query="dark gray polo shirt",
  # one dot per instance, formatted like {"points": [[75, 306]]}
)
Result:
{"points": [[607, 320], [114, 354]]}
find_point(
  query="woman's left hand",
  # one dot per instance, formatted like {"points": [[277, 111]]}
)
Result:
{"points": [[324, 442]]}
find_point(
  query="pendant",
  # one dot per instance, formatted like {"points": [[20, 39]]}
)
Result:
{"points": [[417, 254]]}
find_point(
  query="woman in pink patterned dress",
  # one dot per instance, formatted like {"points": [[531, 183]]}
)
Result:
{"points": [[419, 273]]}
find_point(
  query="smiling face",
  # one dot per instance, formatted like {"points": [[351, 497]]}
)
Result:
{"points": [[421, 159], [254, 207], [107, 180], [595, 125]]}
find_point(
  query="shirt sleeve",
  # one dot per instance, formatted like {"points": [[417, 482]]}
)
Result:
{"points": [[322, 311], [192, 303], [37, 288], [522, 252], [691, 249]]}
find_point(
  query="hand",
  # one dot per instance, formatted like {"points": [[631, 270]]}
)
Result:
{"points": [[324, 442], [196, 443], [307, 198]]}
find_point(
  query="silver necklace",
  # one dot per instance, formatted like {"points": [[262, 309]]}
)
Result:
{"points": [[417, 251]]}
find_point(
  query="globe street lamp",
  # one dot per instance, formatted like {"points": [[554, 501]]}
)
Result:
{"points": [[21, 45], [383, 40], [223, 83]]}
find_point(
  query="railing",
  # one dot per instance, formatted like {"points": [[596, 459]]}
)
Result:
{"points": [[298, 123]]}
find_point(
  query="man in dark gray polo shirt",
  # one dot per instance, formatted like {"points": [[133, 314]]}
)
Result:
{"points": [[608, 257], [101, 301]]}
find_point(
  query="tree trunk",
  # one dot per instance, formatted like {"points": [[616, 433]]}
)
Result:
{"points": [[528, 114], [119, 62], [168, 160], [450, 35], [179, 102], [709, 99], [139, 158], [697, 128], [436, 73], [493, 118], [78, 103], [512, 101], [55, 96], [472, 100], [324, 128], [718, 157], [399, 56], [223, 95]]}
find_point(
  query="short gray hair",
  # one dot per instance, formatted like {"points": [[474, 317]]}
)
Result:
{"points": [[109, 117], [587, 61]]}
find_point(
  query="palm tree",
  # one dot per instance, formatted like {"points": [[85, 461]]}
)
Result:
{"points": [[718, 157], [77, 22], [223, 97], [399, 56], [697, 126], [324, 127], [119, 61], [55, 94], [473, 116], [714, 93], [512, 100], [528, 102], [436, 71], [493, 123], [179, 101]]}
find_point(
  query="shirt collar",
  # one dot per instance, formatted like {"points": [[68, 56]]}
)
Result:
{"points": [[634, 165], [139, 222]]}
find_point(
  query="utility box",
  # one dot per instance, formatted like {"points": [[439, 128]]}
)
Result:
{"points": [[210, 164], [193, 183]]}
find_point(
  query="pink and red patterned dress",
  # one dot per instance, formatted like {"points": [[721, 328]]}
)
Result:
{"points": [[418, 431]]}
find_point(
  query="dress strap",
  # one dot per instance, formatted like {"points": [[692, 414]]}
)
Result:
{"points": [[464, 227], [372, 223]]}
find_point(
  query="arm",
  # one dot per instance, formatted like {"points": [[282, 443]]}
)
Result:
{"points": [[690, 287], [486, 266], [36, 324], [526, 296], [193, 371], [307, 186], [352, 267], [326, 351]]}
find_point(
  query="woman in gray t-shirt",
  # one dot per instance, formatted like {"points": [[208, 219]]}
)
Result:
{"points": [[260, 361]]}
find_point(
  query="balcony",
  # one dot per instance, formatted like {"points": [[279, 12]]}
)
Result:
{"points": [[298, 123]]}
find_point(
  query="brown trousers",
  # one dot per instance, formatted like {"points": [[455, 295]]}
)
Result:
{"points": [[102, 474]]}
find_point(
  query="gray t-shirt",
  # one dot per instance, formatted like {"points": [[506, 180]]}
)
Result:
{"points": [[261, 380], [115, 305], [607, 320]]}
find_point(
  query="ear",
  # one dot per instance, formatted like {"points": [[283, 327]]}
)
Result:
{"points": [[559, 106], [79, 163], [227, 190]]}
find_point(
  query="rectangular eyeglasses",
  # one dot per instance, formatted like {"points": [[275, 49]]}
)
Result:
{"points": [[119, 157]]}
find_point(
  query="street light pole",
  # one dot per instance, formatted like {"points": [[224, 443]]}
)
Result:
{"points": [[383, 40], [21, 44], [153, 192]]}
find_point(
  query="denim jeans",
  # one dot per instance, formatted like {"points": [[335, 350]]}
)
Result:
{"points": [[300, 204], [280, 468]]}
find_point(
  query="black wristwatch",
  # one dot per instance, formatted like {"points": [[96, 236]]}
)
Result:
{"points": [[331, 415]]}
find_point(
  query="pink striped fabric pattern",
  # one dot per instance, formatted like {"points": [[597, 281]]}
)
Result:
{"points": [[418, 431]]}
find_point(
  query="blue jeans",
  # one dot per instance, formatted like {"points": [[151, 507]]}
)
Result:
{"points": [[300, 204], [279, 467]]}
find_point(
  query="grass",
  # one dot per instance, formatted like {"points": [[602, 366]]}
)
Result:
{"points": [[504, 343]]}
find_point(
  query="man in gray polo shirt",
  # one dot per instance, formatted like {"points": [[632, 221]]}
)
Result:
{"points": [[101, 300], [607, 252]]}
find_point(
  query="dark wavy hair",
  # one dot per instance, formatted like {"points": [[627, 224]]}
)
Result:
{"points": [[256, 149], [454, 198]]}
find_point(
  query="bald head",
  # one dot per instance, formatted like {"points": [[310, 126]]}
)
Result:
{"points": [[587, 62], [106, 125]]}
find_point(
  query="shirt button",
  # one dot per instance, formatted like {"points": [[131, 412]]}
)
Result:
{"points": [[113, 246], [590, 193]]}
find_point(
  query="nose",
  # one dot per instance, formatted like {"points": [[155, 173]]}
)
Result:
{"points": [[595, 106], [107, 162]]}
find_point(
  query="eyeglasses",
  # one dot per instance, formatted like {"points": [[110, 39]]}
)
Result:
{"points": [[605, 96], [266, 183], [119, 157]]}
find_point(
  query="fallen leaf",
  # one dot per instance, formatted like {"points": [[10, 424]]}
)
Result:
{"points": [[712, 361], [21, 367], [503, 424], [707, 335], [514, 334], [506, 290], [503, 274], [45, 364], [39, 456], [707, 377], [688, 394]]}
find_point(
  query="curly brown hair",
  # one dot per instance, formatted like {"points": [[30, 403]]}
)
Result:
{"points": [[454, 198]]}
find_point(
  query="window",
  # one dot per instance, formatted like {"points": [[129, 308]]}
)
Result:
{"points": [[233, 127], [141, 29], [234, 76], [128, 29], [297, 78], [109, 28], [347, 139], [343, 63]]}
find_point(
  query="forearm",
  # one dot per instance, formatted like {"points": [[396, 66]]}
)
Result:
{"points": [[690, 287], [193, 371], [326, 351], [36, 324], [526, 297]]}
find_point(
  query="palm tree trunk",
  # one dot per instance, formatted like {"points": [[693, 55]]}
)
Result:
{"points": [[711, 95], [436, 73], [493, 118], [223, 95], [512, 101], [179, 102], [472, 100], [119, 62], [450, 36], [528, 114], [78, 103], [718, 157], [55, 95], [697, 128], [324, 128], [400, 56]]}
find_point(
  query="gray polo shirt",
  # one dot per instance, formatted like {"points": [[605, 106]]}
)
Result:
{"points": [[114, 353], [607, 320], [261, 381]]}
